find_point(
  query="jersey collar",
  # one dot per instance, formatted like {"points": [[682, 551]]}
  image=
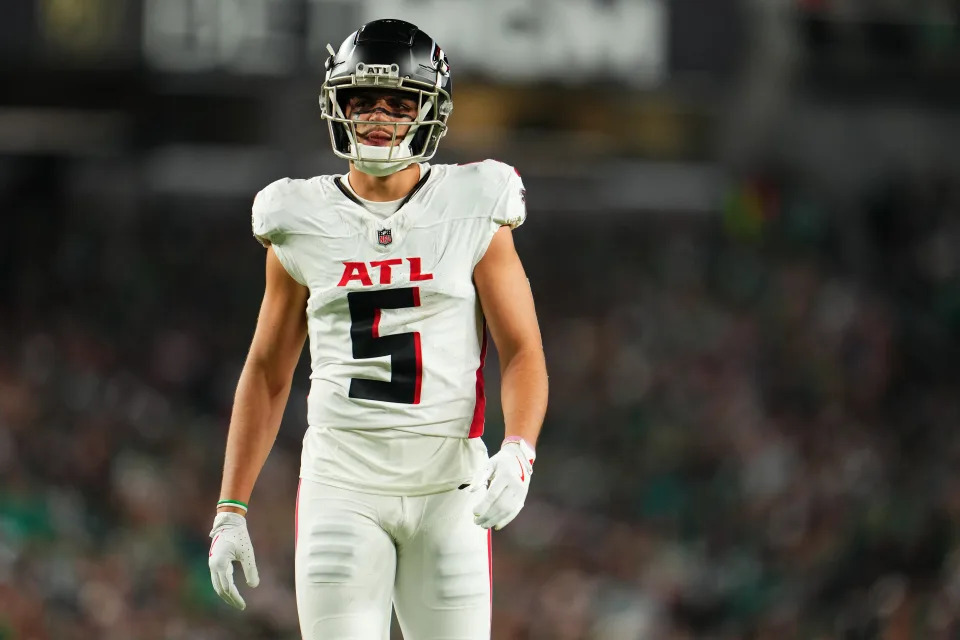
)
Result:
{"points": [[349, 194], [388, 233]]}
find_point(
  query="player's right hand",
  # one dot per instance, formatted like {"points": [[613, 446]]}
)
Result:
{"points": [[231, 542]]}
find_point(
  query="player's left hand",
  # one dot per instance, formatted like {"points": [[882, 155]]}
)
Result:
{"points": [[501, 485]]}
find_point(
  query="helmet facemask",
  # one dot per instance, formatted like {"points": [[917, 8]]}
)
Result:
{"points": [[421, 140]]}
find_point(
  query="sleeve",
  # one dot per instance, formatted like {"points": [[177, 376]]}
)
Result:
{"points": [[502, 187], [510, 208], [270, 228], [267, 213]]}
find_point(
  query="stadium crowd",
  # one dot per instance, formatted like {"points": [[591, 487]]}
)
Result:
{"points": [[752, 430]]}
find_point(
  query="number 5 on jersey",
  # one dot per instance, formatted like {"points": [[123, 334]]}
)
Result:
{"points": [[403, 348]]}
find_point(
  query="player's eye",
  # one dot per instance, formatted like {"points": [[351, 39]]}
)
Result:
{"points": [[361, 102], [400, 104]]}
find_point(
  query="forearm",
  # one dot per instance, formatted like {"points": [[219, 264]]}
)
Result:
{"points": [[254, 423], [523, 393]]}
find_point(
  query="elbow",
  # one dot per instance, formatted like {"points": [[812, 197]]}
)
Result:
{"points": [[527, 356], [268, 377]]}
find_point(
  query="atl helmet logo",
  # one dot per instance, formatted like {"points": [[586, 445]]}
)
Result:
{"points": [[384, 237]]}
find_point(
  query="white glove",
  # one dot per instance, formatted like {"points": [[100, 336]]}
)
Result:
{"points": [[231, 542], [501, 484]]}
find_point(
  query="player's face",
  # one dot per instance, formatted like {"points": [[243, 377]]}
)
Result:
{"points": [[375, 109]]}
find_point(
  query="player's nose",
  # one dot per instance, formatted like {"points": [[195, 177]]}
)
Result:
{"points": [[380, 112]]}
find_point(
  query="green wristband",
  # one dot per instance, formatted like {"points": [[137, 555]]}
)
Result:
{"points": [[232, 503]]}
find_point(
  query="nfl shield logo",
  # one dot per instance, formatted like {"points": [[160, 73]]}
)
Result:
{"points": [[384, 236]]}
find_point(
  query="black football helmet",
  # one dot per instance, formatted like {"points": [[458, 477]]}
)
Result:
{"points": [[394, 55]]}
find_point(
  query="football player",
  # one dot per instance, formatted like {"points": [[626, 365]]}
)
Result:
{"points": [[395, 271]]}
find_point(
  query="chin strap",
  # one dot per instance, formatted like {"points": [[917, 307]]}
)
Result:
{"points": [[375, 159]]}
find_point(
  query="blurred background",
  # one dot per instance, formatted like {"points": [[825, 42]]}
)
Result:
{"points": [[743, 238]]}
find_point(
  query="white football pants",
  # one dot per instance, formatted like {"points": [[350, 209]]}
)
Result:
{"points": [[357, 553]]}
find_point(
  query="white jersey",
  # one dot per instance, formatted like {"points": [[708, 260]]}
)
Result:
{"points": [[397, 337]]}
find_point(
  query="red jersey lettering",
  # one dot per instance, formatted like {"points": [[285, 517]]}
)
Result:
{"points": [[355, 271], [385, 268], [415, 271]]}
